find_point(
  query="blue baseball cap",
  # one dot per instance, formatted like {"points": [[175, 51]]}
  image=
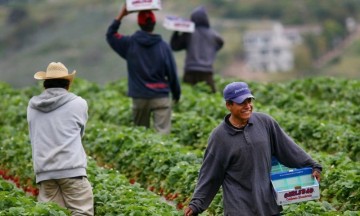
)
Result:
{"points": [[237, 92]]}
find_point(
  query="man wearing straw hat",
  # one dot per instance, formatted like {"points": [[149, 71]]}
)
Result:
{"points": [[152, 74], [57, 120]]}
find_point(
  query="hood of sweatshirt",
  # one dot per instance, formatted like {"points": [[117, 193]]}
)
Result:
{"points": [[146, 39], [200, 17], [51, 99]]}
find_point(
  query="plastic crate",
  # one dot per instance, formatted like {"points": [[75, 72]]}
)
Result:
{"points": [[295, 186], [276, 166]]}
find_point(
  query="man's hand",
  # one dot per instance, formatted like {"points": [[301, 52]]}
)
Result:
{"points": [[123, 12], [188, 211], [316, 175], [175, 101]]}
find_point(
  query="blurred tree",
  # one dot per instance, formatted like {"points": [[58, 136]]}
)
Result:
{"points": [[334, 32], [288, 12], [4, 2], [303, 59], [17, 15], [316, 44]]}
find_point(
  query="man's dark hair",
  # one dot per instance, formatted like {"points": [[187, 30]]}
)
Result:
{"points": [[230, 102], [56, 83], [149, 26]]}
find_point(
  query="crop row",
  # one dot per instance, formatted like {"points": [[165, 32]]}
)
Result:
{"points": [[14, 201], [112, 191], [307, 109]]}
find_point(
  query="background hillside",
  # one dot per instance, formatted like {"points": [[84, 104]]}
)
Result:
{"points": [[36, 32]]}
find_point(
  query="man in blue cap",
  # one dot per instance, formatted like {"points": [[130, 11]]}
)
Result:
{"points": [[238, 158]]}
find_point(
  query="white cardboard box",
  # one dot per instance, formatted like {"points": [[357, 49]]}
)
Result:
{"points": [[295, 186], [178, 24], [138, 5]]}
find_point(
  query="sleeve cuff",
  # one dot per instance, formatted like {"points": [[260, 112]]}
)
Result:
{"points": [[193, 208], [317, 169]]}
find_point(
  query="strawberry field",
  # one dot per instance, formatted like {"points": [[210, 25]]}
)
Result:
{"points": [[135, 171]]}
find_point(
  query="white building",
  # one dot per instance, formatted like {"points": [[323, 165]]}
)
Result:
{"points": [[271, 50]]}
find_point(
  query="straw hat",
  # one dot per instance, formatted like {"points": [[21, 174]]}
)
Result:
{"points": [[55, 70]]}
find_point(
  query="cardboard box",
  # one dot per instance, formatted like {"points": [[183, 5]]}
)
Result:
{"points": [[295, 186], [138, 5], [178, 24]]}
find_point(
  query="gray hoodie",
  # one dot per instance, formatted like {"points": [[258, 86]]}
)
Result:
{"points": [[201, 46], [57, 120]]}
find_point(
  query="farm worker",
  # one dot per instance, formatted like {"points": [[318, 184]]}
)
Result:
{"points": [[151, 69], [238, 158], [201, 48], [57, 120]]}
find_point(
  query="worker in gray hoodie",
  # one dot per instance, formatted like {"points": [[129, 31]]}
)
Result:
{"points": [[57, 120], [201, 48]]}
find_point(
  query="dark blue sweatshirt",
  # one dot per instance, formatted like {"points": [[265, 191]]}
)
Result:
{"points": [[151, 65]]}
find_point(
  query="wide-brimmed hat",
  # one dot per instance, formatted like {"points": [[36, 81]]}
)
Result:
{"points": [[55, 70], [237, 92]]}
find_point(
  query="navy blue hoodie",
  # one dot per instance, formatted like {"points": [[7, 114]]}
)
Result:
{"points": [[151, 65]]}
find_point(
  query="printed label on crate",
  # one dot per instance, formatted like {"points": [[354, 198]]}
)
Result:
{"points": [[137, 5], [300, 195], [178, 24]]}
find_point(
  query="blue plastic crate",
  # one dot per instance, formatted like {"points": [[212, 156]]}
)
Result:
{"points": [[295, 186], [276, 166]]}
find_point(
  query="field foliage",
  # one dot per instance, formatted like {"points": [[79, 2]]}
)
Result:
{"points": [[135, 171]]}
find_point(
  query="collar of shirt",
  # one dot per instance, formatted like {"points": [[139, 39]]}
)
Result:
{"points": [[234, 130]]}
